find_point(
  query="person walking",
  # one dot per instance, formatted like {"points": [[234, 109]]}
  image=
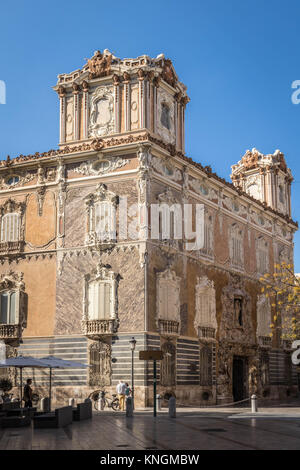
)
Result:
{"points": [[127, 390], [121, 389], [28, 394]]}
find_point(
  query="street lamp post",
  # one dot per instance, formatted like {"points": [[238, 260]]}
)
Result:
{"points": [[132, 345]]}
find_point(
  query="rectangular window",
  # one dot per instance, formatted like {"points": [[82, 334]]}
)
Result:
{"points": [[100, 300], [10, 228], [8, 305]]}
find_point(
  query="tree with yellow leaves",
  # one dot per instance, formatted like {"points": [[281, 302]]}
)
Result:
{"points": [[283, 288]]}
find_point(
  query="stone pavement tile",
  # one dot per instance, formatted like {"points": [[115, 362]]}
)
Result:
{"points": [[189, 431]]}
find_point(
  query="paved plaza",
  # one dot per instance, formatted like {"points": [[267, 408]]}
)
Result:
{"points": [[192, 429]]}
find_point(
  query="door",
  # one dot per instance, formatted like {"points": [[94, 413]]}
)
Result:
{"points": [[238, 376]]}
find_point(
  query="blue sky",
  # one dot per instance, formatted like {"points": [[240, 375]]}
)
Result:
{"points": [[238, 59]]}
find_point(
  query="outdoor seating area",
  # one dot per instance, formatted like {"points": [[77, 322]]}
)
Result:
{"points": [[19, 417], [13, 415]]}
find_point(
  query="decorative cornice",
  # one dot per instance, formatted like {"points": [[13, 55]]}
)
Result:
{"points": [[99, 144]]}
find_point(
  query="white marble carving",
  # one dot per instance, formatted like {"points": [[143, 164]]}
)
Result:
{"points": [[102, 112], [166, 169], [165, 126], [101, 166]]}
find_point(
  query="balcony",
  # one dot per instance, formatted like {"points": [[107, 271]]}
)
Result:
{"points": [[265, 341], [11, 248], [206, 332], [168, 327], [10, 333], [96, 328]]}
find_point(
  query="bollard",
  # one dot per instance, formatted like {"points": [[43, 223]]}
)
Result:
{"points": [[172, 407], [129, 407], [253, 404], [158, 402], [45, 404], [72, 402]]}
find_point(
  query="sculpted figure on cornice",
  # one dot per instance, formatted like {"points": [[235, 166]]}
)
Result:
{"points": [[99, 65], [100, 166], [102, 112]]}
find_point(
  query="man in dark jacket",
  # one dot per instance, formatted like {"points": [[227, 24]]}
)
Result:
{"points": [[28, 394]]}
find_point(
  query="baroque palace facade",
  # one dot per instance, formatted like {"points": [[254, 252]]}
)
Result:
{"points": [[67, 291]]}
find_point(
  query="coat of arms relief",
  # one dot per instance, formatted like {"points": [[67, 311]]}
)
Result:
{"points": [[102, 121]]}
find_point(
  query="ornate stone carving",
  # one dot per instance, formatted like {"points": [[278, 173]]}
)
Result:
{"points": [[100, 362], [12, 280], [168, 73], [100, 166], [14, 179], [165, 128], [166, 169], [100, 64], [41, 191], [230, 327], [102, 120]]}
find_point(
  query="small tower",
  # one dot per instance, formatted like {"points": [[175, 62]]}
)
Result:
{"points": [[109, 96], [266, 178]]}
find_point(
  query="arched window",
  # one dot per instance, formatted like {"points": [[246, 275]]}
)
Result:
{"points": [[10, 228], [205, 366], [168, 365]]}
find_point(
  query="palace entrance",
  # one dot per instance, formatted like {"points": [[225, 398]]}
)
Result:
{"points": [[239, 374]]}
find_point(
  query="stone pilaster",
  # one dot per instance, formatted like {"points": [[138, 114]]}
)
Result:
{"points": [[142, 99], [76, 111], [62, 114], [85, 106], [127, 101], [116, 81]]}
